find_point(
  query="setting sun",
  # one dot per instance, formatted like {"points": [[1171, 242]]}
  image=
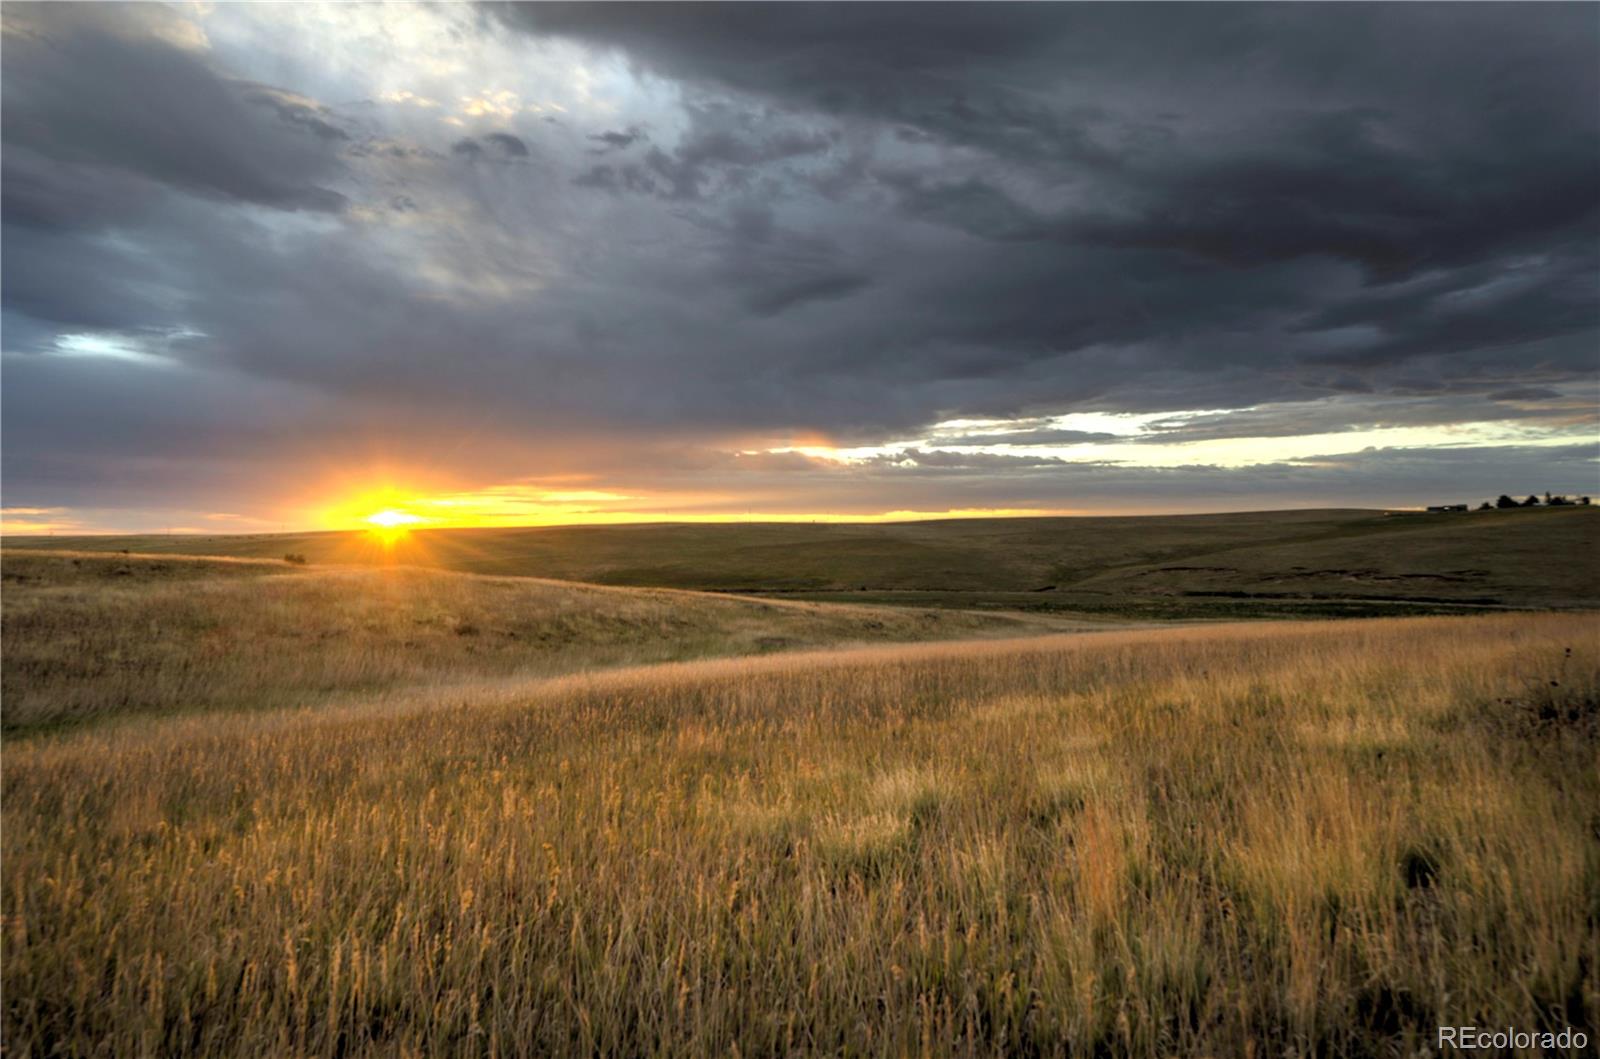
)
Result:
{"points": [[389, 518], [392, 524]]}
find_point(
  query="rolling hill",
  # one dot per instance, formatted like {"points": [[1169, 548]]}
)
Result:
{"points": [[90, 636], [1314, 561]]}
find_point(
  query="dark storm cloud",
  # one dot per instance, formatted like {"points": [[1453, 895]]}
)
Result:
{"points": [[723, 146], [777, 269], [1524, 393], [614, 140], [856, 220], [497, 145], [106, 116], [1407, 141], [510, 145], [776, 299], [867, 59], [92, 98], [296, 110], [612, 178]]}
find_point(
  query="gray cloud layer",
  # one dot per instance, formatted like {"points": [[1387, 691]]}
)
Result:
{"points": [[855, 219]]}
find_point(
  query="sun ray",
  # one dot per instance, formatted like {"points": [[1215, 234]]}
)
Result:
{"points": [[392, 525]]}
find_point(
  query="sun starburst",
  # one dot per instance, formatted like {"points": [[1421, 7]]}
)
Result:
{"points": [[392, 524]]}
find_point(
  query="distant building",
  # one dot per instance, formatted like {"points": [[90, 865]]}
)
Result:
{"points": [[1447, 507]]}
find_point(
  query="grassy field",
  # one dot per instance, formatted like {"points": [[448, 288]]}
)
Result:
{"points": [[1335, 562], [360, 807], [92, 636], [1279, 839]]}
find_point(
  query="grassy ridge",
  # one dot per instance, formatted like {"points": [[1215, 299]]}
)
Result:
{"points": [[963, 554], [1200, 565], [95, 636], [1298, 838], [1540, 558]]}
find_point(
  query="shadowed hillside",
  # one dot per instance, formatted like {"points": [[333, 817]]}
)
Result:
{"points": [[1523, 558], [1201, 565]]}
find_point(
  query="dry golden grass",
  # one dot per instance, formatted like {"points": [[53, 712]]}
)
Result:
{"points": [[1309, 838], [89, 637]]}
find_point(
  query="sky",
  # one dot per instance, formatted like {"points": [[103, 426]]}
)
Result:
{"points": [[282, 266]]}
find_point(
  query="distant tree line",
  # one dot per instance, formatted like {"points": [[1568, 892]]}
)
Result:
{"points": [[1534, 501]]}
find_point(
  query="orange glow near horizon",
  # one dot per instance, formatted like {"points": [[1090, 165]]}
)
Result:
{"points": [[391, 513]]}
